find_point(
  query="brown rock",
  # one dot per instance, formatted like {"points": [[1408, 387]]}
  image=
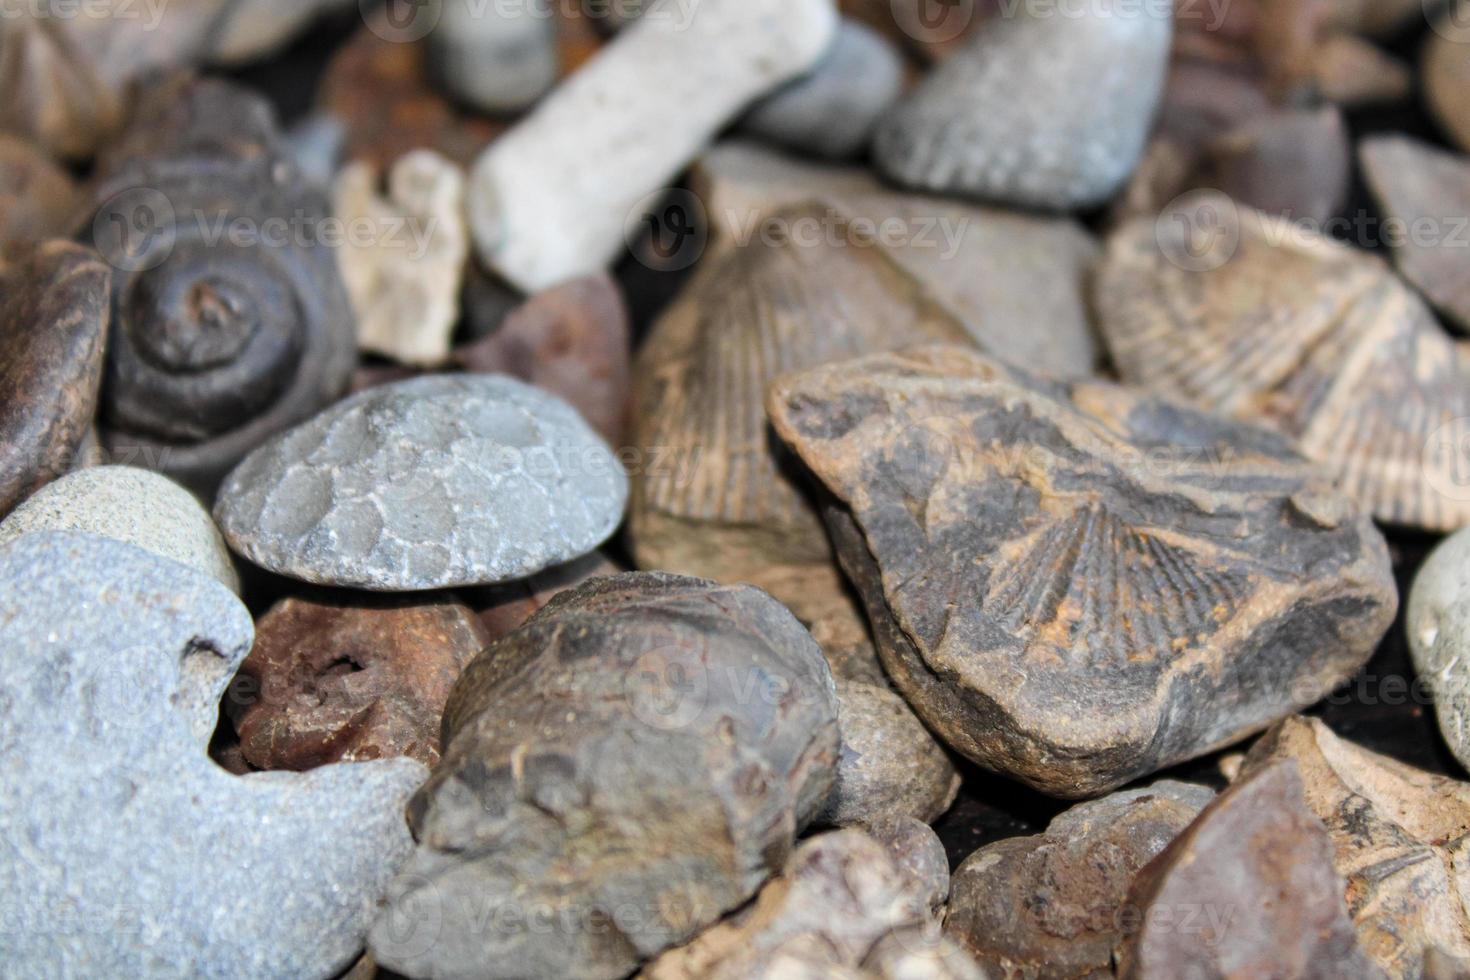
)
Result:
{"points": [[1247, 891], [38, 199], [1428, 192], [1351, 72], [1075, 584], [628, 766], [505, 608], [1445, 69], [53, 326], [1400, 837], [574, 341], [345, 677], [1055, 906], [1260, 319]]}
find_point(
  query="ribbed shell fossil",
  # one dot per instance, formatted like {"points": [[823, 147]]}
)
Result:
{"points": [[231, 322], [1258, 319], [1076, 584]]}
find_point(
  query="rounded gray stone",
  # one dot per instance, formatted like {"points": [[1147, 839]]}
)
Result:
{"points": [[1438, 622], [437, 482], [124, 850], [140, 507]]}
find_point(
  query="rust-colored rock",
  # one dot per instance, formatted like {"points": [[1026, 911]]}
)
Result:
{"points": [[38, 199], [343, 677], [1056, 905], [1445, 69], [1247, 892], [1076, 584], [1255, 317], [574, 341], [53, 327], [1400, 836]]}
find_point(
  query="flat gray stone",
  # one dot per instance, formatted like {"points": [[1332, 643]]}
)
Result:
{"points": [[441, 481], [1439, 637], [140, 507], [126, 852]]}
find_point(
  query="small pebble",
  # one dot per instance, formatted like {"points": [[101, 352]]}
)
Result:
{"points": [[1439, 637], [1446, 73], [496, 57]]}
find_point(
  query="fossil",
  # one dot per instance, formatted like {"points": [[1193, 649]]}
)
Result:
{"points": [[1445, 72], [1256, 318], [1077, 584]]}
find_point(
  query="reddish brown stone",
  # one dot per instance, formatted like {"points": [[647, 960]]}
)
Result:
{"points": [[343, 678]]}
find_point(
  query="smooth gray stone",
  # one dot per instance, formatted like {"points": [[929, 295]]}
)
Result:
{"points": [[125, 851], [1048, 109], [495, 56], [436, 482], [1438, 622], [831, 112]]}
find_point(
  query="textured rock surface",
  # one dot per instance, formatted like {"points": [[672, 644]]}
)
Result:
{"points": [[504, 608], [1400, 839], [495, 57], [1056, 905], [404, 279], [1048, 108], [1424, 187], [53, 326], [1077, 585], [627, 767], [1248, 890], [37, 197], [123, 850], [1439, 637], [345, 678], [127, 504], [1446, 74], [1254, 317], [440, 481], [832, 110], [642, 109]]}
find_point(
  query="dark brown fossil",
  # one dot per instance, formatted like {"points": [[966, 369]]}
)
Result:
{"points": [[627, 767], [1073, 583], [231, 322], [38, 199], [53, 327], [1247, 892], [345, 677]]}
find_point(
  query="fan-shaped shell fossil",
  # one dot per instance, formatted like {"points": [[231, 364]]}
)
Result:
{"points": [[1077, 584], [1256, 318], [231, 322]]}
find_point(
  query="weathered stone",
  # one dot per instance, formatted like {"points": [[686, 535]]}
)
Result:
{"points": [[404, 280], [505, 608], [1350, 71], [641, 110], [832, 110], [1254, 317], [1418, 185], [628, 766], [919, 854], [437, 482], [1401, 838], [1056, 905], [1445, 73], [53, 327], [495, 57], [1247, 891], [254, 29], [1047, 108], [344, 678], [124, 851], [1439, 637], [1076, 584], [919, 953], [140, 507], [38, 199], [573, 340]]}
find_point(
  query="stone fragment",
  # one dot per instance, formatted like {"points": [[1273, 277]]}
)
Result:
{"points": [[505, 608], [1352, 72], [495, 57], [1255, 317], [918, 953], [404, 280], [573, 340], [345, 678], [126, 852], [919, 854], [1439, 637], [53, 327], [1248, 890], [832, 110], [255, 29], [1047, 108], [1056, 904], [436, 482], [632, 763], [1400, 838], [541, 212], [1445, 73], [1427, 191], [227, 326], [127, 504], [1076, 584], [38, 199]]}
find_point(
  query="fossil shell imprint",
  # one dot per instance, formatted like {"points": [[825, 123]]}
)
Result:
{"points": [[1253, 317]]}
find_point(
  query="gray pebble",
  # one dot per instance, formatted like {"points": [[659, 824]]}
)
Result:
{"points": [[496, 57], [441, 481], [1047, 109], [140, 507], [1439, 637], [126, 852]]}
